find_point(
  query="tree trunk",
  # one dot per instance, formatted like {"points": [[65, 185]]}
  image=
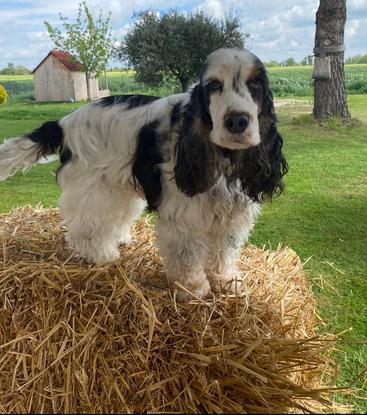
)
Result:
{"points": [[105, 80], [330, 94], [88, 87]]}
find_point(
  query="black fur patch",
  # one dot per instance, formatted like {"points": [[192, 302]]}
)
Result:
{"points": [[236, 83], [129, 101], [145, 166], [258, 92], [261, 168], [196, 162], [175, 114], [65, 156], [48, 137]]}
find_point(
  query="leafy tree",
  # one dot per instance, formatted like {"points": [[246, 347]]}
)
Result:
{"points": [[22, 70], [11, 69], [87, 40], [172, 47], [271, 64], [290, 62]]}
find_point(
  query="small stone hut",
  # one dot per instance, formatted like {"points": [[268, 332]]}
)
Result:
{"points": [[59, 77]]}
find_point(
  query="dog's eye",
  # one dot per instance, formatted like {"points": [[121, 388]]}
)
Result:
{"points": [[255, 83], [214, 85]]}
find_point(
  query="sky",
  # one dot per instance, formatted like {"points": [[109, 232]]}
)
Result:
{"points": [[278, 29]]}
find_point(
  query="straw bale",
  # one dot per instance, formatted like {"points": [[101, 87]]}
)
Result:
{"points": [[83, 338]]}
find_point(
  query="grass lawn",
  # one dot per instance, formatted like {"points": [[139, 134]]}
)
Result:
{"points": [[322, 215]]}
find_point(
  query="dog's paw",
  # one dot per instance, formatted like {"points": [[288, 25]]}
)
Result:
{"points": [[93, 252], [193, 292], [106, 257], [126, 238]]}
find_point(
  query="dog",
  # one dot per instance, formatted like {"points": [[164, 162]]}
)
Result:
{"points": [[204, 160]]}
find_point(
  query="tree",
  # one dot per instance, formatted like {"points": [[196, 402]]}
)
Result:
{"points": [[329, 89], [173, 47], [87, 40], [290, 62], [271, 64], [307, 60], [11, 69]]}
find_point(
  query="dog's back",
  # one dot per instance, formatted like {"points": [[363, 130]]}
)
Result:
{"points": [[105, 126]]}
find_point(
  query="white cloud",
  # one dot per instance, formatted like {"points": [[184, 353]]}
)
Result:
{"points": [[214, 8], [357, 4], [38, 35], [352, 28]]}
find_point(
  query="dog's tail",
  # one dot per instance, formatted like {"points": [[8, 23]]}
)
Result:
{"points": [[23, 152]]}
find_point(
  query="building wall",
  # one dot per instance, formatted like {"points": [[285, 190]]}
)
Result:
{"points": [[53, 82], [94, 88], [80, 85]]}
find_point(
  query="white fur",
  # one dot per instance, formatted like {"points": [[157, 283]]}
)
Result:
{"points": [[15, 154]]}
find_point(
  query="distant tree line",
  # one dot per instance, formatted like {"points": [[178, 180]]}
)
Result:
{"points": [[11, 69], [308, 60], [357, 59]]}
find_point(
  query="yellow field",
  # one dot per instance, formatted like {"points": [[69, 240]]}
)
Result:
{"points": [[112, 74], [16, 78]]}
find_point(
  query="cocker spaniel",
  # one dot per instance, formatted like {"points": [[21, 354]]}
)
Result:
{"points": [[203, 160]]}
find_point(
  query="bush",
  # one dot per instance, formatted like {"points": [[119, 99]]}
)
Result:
{"points": [[3, 95], [357, 86]]}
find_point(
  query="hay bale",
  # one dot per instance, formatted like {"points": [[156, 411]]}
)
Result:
{"points": [[82, 338]]}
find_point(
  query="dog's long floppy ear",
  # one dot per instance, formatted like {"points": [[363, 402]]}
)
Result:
{"points": [[195, 169], [261, 168]]}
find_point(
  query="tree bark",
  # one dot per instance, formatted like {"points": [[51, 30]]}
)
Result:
{"points": [[330, 97], [89, 95]]}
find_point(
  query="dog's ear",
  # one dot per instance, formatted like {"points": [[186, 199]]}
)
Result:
{"points": [[195, 169], [261, 168]]}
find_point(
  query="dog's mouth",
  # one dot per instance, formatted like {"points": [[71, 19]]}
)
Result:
{"points": [[239, 141]]}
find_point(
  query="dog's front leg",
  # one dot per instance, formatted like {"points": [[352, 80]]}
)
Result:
{"points": [[225, 241], [183, 257]]}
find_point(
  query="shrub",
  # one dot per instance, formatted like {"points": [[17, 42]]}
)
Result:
{"points": [[3, 95]]}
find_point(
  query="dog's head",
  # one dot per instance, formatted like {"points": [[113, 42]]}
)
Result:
{"points": [[231, 114]]}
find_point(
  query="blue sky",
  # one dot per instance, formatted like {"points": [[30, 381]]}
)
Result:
{"points": [[279, 29]]}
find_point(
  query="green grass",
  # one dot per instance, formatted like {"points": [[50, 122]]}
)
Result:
{"points": [[322, 214]]}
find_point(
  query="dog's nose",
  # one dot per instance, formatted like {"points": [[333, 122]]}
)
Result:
{"points": [[237, 123]]}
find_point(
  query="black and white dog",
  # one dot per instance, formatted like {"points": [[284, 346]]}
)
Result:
{"points": [[203, 160]]}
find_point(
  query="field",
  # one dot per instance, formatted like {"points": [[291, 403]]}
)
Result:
{"points": [[285, 81], [322, 215], [297, 81]]}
